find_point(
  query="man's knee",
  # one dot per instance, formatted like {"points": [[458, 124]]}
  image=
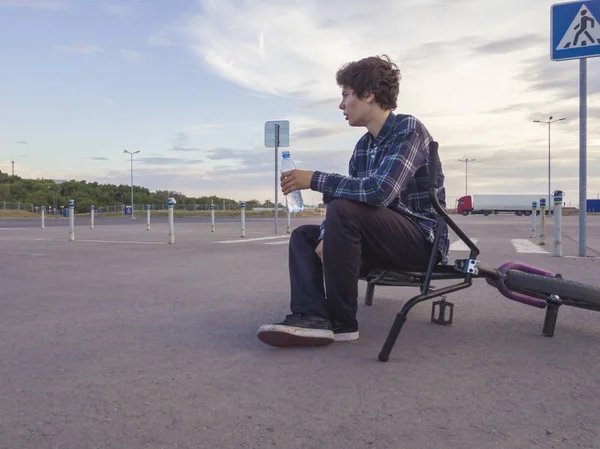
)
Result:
{"points": [[305, 232], [340, 207]]}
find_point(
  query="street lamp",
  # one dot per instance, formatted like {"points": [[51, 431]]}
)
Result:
{"points": [[549, 122], [131, 157], [466, 161]]}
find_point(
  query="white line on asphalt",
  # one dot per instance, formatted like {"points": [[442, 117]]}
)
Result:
{"points": [[527, 246], [255, 239], [459, 245], [285, 242]]}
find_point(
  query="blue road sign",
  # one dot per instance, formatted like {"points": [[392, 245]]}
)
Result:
{"points": [[575, 30]]}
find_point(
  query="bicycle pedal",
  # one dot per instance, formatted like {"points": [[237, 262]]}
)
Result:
{"points": [[442, 306]]}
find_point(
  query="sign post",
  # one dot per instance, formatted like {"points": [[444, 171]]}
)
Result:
{"points": [[277, 134], [575, 34]]}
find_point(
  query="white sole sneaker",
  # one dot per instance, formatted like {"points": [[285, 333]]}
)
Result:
{"points": [[346, 336], [284, 336]]}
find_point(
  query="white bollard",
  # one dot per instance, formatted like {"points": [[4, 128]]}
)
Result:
{"points": [[289, 222], [92, 217], [243, 209], [147, 217], [171, 203], [534, 219], [43, 217], [558, 194], [543, 221], [71, 220], [212, 218]]}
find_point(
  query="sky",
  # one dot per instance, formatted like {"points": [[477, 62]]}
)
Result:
{"points": [[191, 83]]}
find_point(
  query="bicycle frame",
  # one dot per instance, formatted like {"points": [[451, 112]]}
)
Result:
{"points": [[465, 269]]}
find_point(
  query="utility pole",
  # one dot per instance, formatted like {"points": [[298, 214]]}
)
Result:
{"points": [[131, 156], [466, 161], [13, 167], [549, 122]]}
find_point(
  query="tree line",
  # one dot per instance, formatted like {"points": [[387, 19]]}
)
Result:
{"points": [[47, 192]]}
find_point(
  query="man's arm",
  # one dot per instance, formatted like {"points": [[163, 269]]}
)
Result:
{"points": [[404, 157]]}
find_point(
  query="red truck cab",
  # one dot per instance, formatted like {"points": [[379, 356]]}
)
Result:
{"points": [[464, 205]]}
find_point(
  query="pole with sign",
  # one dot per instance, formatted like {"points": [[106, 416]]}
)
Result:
{"points": [[575, 34], [534, 215], [277, 134]]}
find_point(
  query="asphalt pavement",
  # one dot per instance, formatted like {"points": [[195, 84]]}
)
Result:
{"points": [[121, 340]]}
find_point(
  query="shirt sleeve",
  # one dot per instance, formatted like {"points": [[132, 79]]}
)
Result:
{"points": [[404, 157]]}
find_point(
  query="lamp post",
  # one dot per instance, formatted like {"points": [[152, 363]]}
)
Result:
{"points": [[549, 122], [131, 157], [466, 161]]}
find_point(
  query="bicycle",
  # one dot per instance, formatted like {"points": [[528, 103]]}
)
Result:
{"points": [[517, 281]]}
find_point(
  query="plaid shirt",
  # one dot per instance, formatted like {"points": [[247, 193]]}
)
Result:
{"points": [[391, 171]]}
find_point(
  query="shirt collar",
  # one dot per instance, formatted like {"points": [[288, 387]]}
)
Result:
{"points": [[386, 129]]}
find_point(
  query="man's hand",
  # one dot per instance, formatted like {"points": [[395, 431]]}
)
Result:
{"points": [[319, 250], [295, 180]]}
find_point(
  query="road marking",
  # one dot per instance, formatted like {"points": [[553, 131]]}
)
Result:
{"points": [[285, 242], [527, 246], [459, 245], [255, 239], [4, 253]]}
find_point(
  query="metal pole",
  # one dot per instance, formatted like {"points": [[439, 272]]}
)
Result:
{"points": [[289, 221], [549, 198], [212, 218], [147, 217], [582, 154], [543, 221], [243, 210], [276, 176], [132, 186], [43, 217], [558, 252], [533, 221], [92, 217], [71, 220], [171, 225]]}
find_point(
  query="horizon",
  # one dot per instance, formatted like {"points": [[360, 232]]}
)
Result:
{"points": [[190, 83]]}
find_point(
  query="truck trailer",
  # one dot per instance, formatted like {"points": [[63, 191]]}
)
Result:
{"points": [[495, 204]]}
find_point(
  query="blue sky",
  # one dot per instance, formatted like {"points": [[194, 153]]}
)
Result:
{"points": [[190, 84]]}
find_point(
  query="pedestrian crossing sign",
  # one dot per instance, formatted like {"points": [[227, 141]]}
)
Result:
{"points": [[575, 30]]}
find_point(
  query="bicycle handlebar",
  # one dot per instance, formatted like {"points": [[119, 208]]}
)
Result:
{"points": [[497, 277]]}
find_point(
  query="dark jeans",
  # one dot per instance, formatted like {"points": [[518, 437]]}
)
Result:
{"points": [[358, 237]]}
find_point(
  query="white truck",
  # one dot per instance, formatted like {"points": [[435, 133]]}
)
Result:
{"points": [[495, 204]]}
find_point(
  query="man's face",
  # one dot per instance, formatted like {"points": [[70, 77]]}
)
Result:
{"points": [[356, 110]]}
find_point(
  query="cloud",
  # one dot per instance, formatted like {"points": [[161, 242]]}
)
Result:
{"points": [[82, 49], [161, 39], [99, 158], [22, 142], [559, 79], [35, 4], [163, 160], [130, 55], [510, 45], [317, 133]]}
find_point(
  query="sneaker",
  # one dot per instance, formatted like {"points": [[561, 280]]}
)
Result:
{"points": [[297, 330], [346, 333]]}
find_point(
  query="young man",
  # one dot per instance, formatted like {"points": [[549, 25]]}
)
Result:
{"points": [[379, 215]]}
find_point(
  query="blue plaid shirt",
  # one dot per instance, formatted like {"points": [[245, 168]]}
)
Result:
{"points": [[391, 171]]}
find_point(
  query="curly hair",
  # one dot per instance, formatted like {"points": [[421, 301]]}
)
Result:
{"points": [[376, 74]]}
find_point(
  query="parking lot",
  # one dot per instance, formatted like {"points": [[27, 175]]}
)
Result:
{"points": [[121, 340]]}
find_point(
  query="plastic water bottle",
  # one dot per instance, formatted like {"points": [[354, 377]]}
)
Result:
{"points": [[293, 199]]}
